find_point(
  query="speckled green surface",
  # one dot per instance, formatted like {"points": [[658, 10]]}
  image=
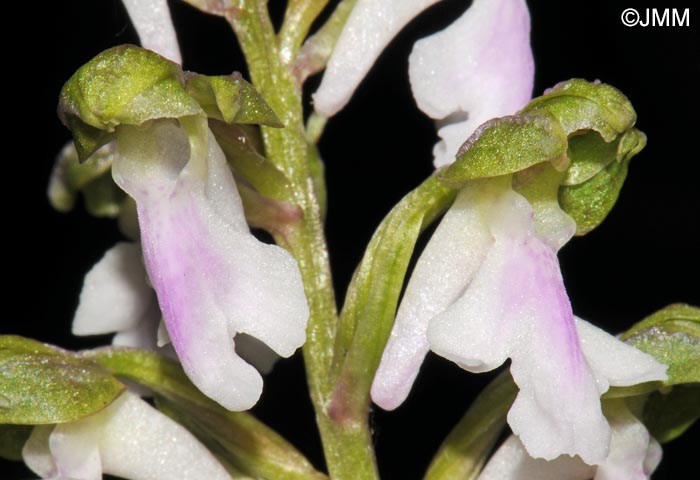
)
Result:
{"points": [[42, 385]]}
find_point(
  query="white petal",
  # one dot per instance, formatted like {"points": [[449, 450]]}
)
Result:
{"points": [[516, 306], [442, 272], [151, 19], [372, 24], [511, 462], [479, 68], [213, 278], [614, 362], [255, 352], [36, 453], [634, 455], [129, 439], [144, 334], [115, 295]]}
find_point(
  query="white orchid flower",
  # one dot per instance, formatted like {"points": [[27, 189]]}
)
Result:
{"points": [[487, 288], [634, 455], [478, 68], [213, 279], [129, 439]]}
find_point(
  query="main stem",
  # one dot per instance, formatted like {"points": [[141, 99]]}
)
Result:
{"points": [[346, 441]]}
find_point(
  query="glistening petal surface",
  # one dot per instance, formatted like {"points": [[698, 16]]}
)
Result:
{"points": [[212, 277], [129, 439], [516, 307], [151, 19], [372, 24], [478, 68]]}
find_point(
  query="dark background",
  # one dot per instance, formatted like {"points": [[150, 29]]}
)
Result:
{"points": [[645, 256]]}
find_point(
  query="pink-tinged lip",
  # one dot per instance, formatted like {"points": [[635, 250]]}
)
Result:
{"points": [[509, 301], [213, 279]]}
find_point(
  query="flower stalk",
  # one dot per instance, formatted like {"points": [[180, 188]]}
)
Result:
{"points": [[346, 440]]}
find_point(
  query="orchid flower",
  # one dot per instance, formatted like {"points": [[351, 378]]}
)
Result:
{"points": [[213, 279], [116, 298], [486, 288], [478, 68], [129, 439], [634, 455]]}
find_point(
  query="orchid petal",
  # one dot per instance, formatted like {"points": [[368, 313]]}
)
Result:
{"points": [[372, 24], [129, 439], [511, 462], [255, 352], [614, 362], [634, 455], [440, 276], [213, 278], [478, 68], [36, 453], [151, 19], [115, 296], [516, 307]]}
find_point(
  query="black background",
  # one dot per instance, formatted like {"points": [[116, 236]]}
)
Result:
{"points": [[645, 256]]}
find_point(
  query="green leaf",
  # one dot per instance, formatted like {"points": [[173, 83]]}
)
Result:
{"points": [[668, 414], [230, 99], [12, 440], [43, 385], [370, 304], [581, 106], [506, 145], [249, 445], [122, 85], [463, 453]]}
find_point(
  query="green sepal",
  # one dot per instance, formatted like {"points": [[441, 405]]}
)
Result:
{"points": [[463, 453], [239, 144], [672, 336], [230, 99], [40, 384], [668, 414], [248, 444], [590, 202], [677, 317], [122, 85], [12, 439], [506, 145], [373, 295], [581, 106]]}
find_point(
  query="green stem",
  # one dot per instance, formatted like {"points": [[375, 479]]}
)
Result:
{"points": [[298, 18], [347, 442]]}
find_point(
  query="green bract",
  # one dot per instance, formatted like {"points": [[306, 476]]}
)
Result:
{"points": [[584, 129], [43, 385]]}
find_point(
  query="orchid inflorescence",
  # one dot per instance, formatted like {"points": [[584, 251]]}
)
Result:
{"points": [[202, 308]]}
